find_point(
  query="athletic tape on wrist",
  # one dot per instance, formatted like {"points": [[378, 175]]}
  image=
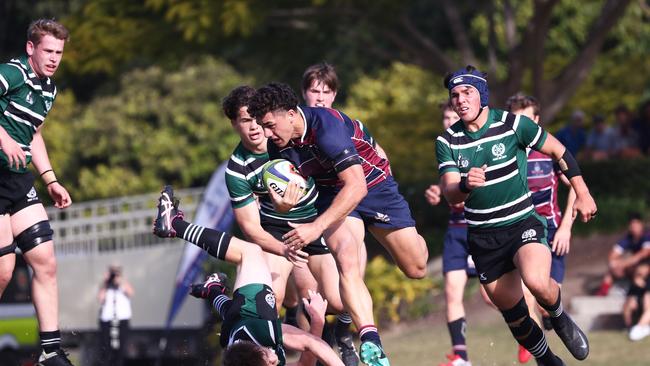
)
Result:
{"points": [[569, 165]]}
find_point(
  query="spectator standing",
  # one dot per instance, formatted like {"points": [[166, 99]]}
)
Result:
{"points": [[114, 296], [573, 136]]}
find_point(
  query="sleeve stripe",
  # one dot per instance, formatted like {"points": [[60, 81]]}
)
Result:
{"points": [[446, 163], [534, 142], [516, 123], [442, 139], [5, 84]]}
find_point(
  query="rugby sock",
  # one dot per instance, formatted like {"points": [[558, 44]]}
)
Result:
{"points": [[342, 328], [214, 242], [368, 333], [50, 341], [457, 330], [528, 333], [222, 303], [554, 310], [291, 315]]}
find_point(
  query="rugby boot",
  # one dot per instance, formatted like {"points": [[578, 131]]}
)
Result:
{"points": [[571, 335], [167, 212], [213, 286], [456, 360], [56, 358], [348, 352], [523, 355], [373, 355], [558, 362]]}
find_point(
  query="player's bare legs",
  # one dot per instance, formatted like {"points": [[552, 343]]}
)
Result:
{"points": [[358, 229], [280, 269], [407, 247]]}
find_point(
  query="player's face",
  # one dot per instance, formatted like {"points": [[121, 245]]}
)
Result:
{"points": [[319, 95], [528, 112], [44, 58], [270, 357], [636, 228], [466, 102], [449, 117], [278, 127], [250, 133]]}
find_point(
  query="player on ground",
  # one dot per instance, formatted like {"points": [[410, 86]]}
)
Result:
{"points": [[263, 215], [26, 96], [251, 316], [352, 180], [543, 178], [456, 264], [482, 161]]}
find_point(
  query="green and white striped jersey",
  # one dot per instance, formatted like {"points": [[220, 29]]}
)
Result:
{"points": [[25, 100], [501, 145], [244, 181]]}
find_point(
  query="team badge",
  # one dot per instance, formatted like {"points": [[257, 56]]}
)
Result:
{"points": [[529, 234], [29, 98], [48, 105], [498, 150], [463, 162], [270, 299], [382, 217], [31, 195]]}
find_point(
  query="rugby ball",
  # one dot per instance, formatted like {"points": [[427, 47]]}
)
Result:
{"points": [[277, 173]]}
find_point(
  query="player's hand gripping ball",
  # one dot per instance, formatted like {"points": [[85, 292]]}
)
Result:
{"points": [[278, 173]]}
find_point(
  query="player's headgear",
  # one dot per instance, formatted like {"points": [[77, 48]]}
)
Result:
{"points": [[471, 77]]}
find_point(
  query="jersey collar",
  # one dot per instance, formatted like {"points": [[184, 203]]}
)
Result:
{"points": [[304, 119]]}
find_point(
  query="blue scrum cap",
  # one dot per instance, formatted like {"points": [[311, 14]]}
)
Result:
{"points": [[473, 78]]}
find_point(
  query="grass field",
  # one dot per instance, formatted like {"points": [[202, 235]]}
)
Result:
{"points": [[426, 345]]}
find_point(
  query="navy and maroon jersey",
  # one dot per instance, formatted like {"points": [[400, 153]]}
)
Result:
{"points": [[629, 244], [457, 216], [331, 143], [543, 177]]}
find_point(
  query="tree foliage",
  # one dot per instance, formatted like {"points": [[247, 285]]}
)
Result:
{"points": [[160, 128]]}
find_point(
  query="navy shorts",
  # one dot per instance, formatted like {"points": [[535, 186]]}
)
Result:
{"points": [[557, 261], [383, 207], [455, 254], [16, 191]]}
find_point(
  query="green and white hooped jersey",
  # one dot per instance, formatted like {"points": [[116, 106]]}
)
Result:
{"points": [[244, 181], [25, 100], [501, 145]]}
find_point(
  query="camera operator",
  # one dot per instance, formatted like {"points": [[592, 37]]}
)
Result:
{"points": [[115, 298]]}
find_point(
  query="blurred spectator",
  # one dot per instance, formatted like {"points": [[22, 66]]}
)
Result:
{"points": [[600, 143], [626, 138], [642, 328], [632, 251], [642, 126], [115, 298], [573, 135]]}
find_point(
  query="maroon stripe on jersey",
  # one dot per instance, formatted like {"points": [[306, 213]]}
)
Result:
{"points": [[543, 184], [375, 168]]}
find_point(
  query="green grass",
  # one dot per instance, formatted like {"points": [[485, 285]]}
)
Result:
{"points": [[426, 345]]}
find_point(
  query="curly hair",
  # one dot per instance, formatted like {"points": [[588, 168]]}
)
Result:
{"points": [[238, 97], [270, 98], [243, 353]]}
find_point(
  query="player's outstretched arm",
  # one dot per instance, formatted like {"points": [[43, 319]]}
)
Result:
{"points": [[298, 340], [562, 240], [584, 205]]}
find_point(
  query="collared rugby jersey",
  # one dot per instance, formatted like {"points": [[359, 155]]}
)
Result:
{"points": [[543, 177], [501, 145]]}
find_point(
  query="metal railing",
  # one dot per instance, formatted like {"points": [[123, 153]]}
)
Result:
{"points": [[112, 225]]}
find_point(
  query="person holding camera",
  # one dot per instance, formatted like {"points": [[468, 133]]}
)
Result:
{"points": [[115, 298]]}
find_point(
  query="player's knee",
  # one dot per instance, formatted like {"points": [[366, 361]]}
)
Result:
{"points": [[416, 271], [34, 235], [5, 277]]}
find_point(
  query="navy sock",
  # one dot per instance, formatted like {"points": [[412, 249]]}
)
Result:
{"points": [[50, 341], [342, 328], [457, 329], [369, 333]]}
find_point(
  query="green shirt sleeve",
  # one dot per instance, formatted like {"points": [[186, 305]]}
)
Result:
{"points": [[446, 162], [10, 78], [239, 190], [529, 133]]}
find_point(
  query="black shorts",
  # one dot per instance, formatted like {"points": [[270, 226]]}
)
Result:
{"points": [[16, 191], [493, 249], [277, 228]]}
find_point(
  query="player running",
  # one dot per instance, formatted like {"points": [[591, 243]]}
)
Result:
{"points": [[482, 161]]}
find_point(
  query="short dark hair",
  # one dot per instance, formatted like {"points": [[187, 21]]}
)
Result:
{"points": [[238, 97], [322, 72], [521, 101], [41, 27], [446, 106], [632, 216], [270, 98], [243, 353]]}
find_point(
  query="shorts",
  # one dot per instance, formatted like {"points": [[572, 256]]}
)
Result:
{"points": [[16, 191], [455, 254], [383, 206], [277, 228], [557, 261], [493, 249]]}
